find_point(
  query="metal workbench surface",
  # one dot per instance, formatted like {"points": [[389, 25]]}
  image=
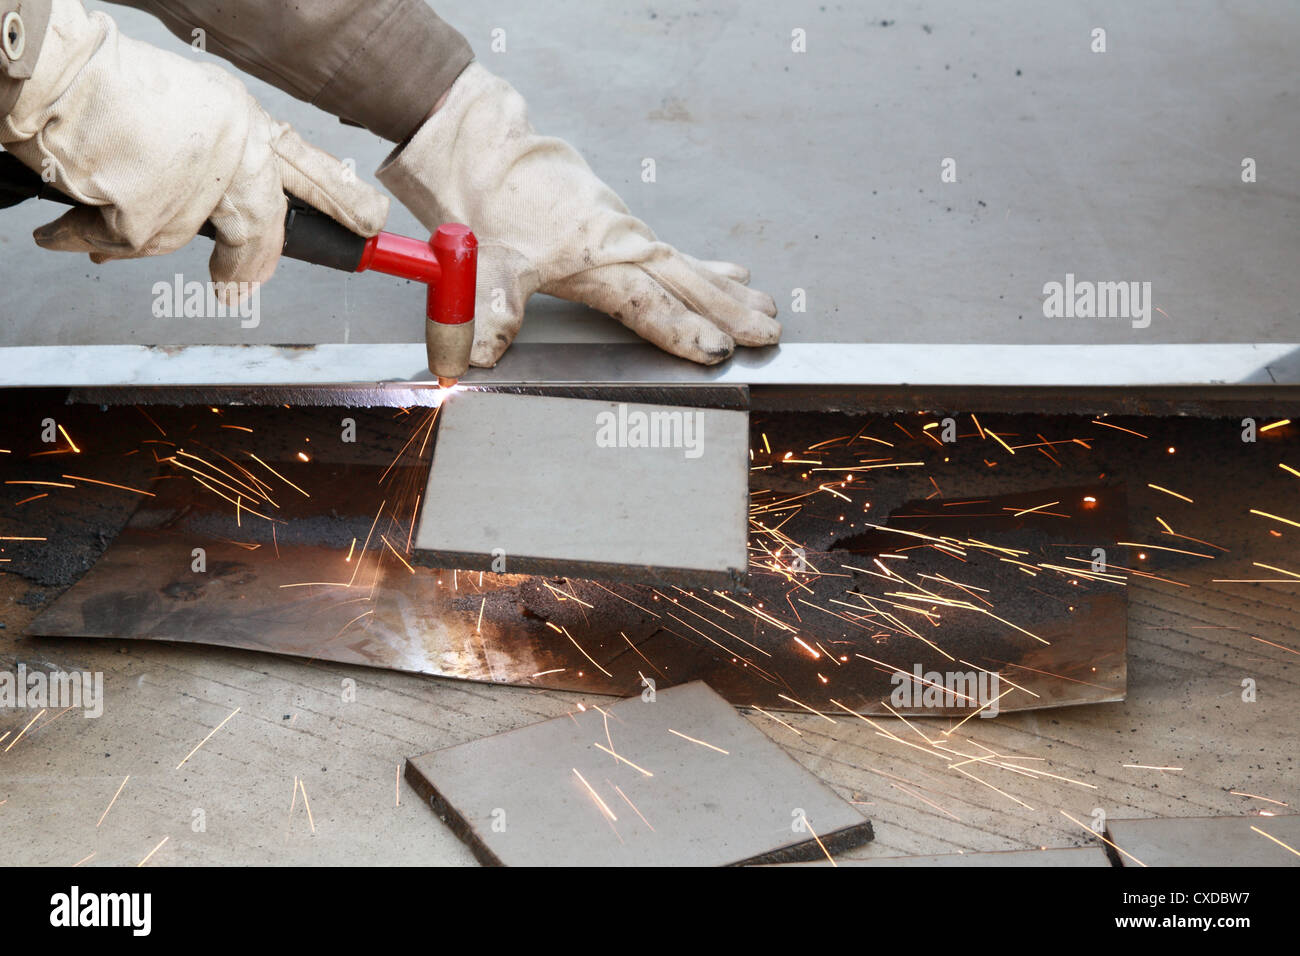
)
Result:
{"points": [[820, 171]]}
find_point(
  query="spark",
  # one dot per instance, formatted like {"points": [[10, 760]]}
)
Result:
{"points": [[936, 806], [478, 628], [1103, 839], [113, 801], [1174, 493], [584, 653], [994, 789], [1265, 514], [397, 787], [1282, 423], [632, 805], [153, 851], [47, 484], [411, 530], [1035, 508], [974, 712], [1271, 644], [1142, 766], [641, 770], [24, 730], [278, 475], [1276, 840], [999, 440], [109, 484], [625, 600], [83, 860], [77, 450], [700, 742], [310, 822], [207, 738], [777, 719], [1156, 547], [595, 796], [809, 709], [1118, 428], [1256, 796], [819, 842], [396, 553], [804, 645]]}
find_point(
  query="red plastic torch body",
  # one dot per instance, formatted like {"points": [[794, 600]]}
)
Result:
{"points": [[448, 264]]}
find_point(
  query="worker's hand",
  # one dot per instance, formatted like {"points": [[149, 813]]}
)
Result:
{"points": [[158, 144], [545, 223]]}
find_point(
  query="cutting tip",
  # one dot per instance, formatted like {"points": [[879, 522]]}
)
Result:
{"points": [[444, 382]]}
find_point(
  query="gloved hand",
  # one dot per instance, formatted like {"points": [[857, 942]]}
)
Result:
{"points": [[158, 144], [545, 223]]}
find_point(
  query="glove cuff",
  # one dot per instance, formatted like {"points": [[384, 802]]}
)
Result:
{"points": [[479, 161], [71, 38]]}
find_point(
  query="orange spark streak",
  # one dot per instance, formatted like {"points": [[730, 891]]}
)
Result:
{"points": [[819, 842], [777, 719], [595, 796], [1255, 796], [1118, 428], [632, 805], [397, 553], [700, 742], [24, 730], [1265, 514], [1174, 493], [310, 822], [109, 484], [278, 475], [78, 450], [622, 759], [153, 851], [207, 738], [113, 801], [584, 653], [1276, 840]]}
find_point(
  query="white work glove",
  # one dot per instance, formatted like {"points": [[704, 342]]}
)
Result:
{"points": [[545, 223], [158, 144]]}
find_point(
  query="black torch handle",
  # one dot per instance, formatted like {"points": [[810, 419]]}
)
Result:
{"points": [[309, 234]]}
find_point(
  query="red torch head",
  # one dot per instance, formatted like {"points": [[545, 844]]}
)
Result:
{"points": [[449, 331]]}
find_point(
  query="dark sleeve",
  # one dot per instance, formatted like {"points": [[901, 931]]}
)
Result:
{"points": [[379, 63]]}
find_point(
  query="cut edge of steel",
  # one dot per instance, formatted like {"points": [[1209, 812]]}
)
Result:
{"points": [[871, 364]]}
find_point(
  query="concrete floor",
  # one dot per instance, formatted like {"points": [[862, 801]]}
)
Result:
{"points": [[821, 170], [1183, 710]]}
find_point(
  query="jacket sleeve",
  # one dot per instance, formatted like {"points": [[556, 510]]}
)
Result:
{"points": [[22, 28], [381, 64]]}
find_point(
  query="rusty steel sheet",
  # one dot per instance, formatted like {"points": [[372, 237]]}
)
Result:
{"points": [[990, 601], [674, 778]]}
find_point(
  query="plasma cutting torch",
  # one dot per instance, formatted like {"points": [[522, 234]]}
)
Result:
{"points": [[446, 263]]}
